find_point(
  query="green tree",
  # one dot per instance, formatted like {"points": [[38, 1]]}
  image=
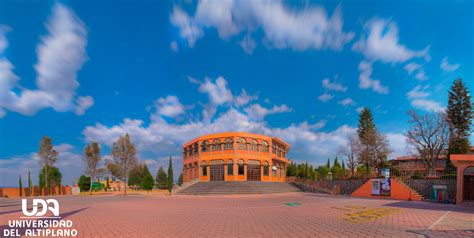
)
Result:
{"points": [[170, 175], [292, 170], [180, 179], [30, 185], [107, 184], [137, 176], [84, 183], [162, 178], [148, 180], [374, 149], [336, 168], [124, 159], [54, 177], [323, 172], [328, 164], [48, 156], [20, 187], [92, 160], [459, 116]]}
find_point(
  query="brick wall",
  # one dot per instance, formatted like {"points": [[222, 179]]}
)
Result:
{"points": [[15, 192], [344, 187], [425, 186]]}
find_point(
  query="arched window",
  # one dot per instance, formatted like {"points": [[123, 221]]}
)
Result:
{"points": [[279, 151], [265, 168], [190, 150], [253, 145], [230, 167], [228, 144], [185, 152], [242, 144], [265, 146], [241, 167], [216, 145], [205, 146], [195, 148], [204, 168], [274, 151]]}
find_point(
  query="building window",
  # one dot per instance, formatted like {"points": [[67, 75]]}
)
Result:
{"points": [[274, 169], [265, 169], [230, 167], [279, 151], [228, 144], [274, 151], [205, 146], [190, 150], [204, 169], [241, 167], [195, 148], [242, 144], [265, 146], [185, 153], [216, 145], [253, 145]]}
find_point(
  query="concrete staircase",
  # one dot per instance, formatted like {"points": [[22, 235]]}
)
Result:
{"points": [[244, 187], [415, 195]]}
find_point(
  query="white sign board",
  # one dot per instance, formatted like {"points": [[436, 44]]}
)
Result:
{"points": [[375, 186]]}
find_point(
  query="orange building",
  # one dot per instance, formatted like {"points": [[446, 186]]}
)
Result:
{"points": [[235, 156]]}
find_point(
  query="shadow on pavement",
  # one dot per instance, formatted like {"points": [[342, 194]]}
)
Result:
{"points": [[431, 206], [443, 233]]}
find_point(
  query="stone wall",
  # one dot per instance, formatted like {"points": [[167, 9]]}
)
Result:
{"points": [[425, 186], [344, 187]]}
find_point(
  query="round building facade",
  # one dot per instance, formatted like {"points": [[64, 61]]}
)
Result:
{"points": [[235, 156]]}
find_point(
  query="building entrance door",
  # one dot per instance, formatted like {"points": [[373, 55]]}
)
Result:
{"points": [[253, 171], [468, 188], [217, 170]]}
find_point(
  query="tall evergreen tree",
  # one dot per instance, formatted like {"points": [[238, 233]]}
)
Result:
{"points": [[180, 179], [459, 116], [147, 183], [328, 164], [162, 178], [20, 187], [170, 175]]}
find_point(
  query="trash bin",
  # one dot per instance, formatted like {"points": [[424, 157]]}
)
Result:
{"points": [[440, 193]]}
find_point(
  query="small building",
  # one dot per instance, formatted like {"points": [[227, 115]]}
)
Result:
{"points": [[412, 165], [465, 177], [235, 156]]}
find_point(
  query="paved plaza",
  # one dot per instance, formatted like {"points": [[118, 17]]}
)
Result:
{"points": [[272, 215]]}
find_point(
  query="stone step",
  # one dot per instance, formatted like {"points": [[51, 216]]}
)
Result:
{"points": [[241, 187]]}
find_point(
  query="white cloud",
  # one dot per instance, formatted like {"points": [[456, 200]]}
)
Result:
{"points": [[325, 97], [218, 91], [347, 102], [169, 106], [248, 44], [257, 112], [427, 105], [327, 84], [310, 28], [411, 67], [174, 46], [418, 99], [448, 67], [418, 92], [421, 75], [187, 27], [381, 43], [366, 81], [61, 55], [244, 98]]}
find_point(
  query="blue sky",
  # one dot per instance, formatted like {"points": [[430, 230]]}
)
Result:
{"points": [[166, 72]]}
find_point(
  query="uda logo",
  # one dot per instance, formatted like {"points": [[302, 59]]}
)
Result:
{"points": [[48, 204]]}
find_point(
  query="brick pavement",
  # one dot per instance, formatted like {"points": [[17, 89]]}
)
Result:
{"points": [[255, 216]]}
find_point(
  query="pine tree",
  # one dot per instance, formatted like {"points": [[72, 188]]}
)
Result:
{"points": [[180, 179], [147, 183], [20, 187], [328, 164], [170, 175], [162, 178], [459, 116]]}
